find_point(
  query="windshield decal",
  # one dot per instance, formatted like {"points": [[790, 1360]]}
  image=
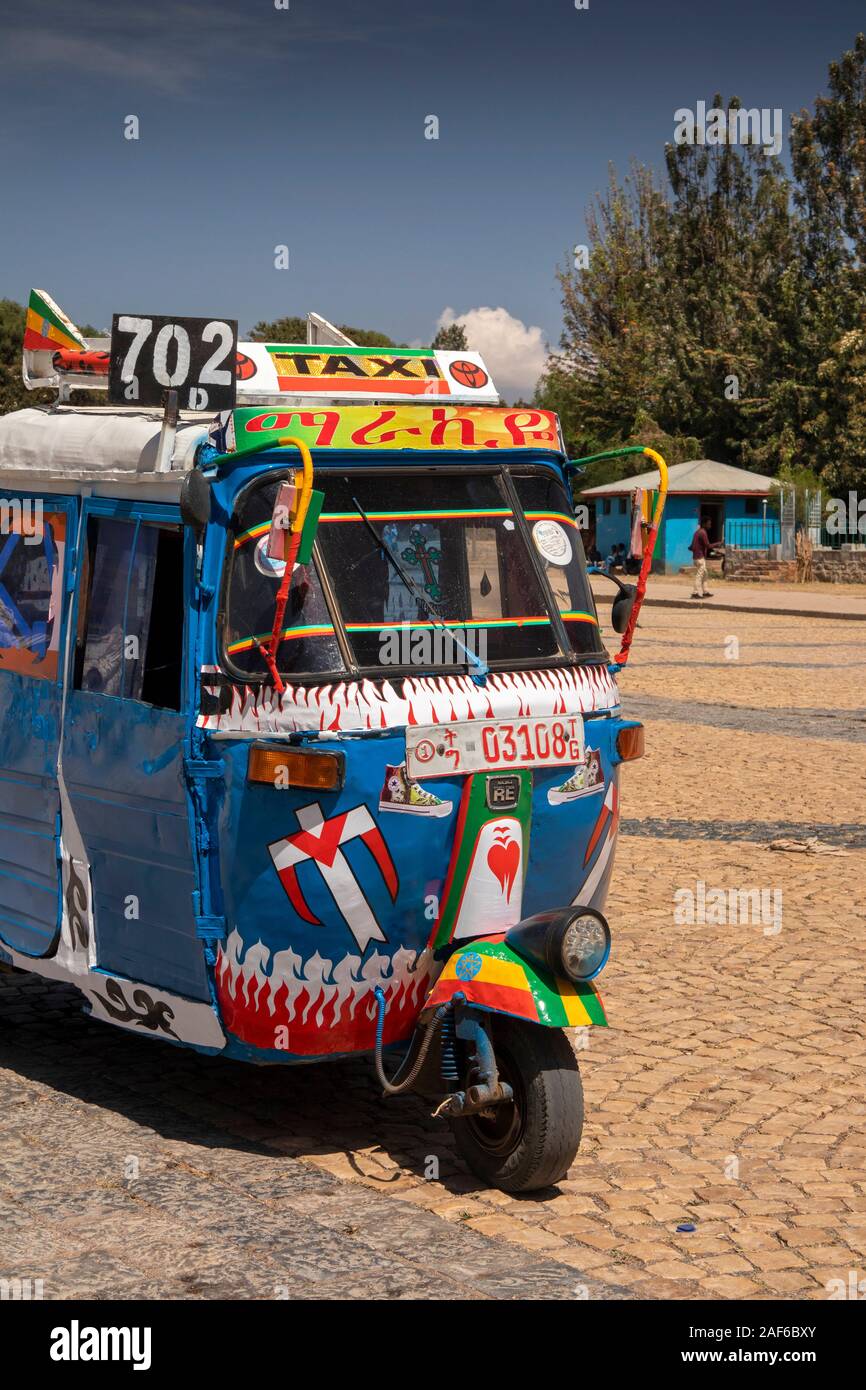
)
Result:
{"points": [[289, 634], [561, 517], [451, 514]]}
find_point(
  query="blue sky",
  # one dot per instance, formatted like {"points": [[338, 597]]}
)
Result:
{"points": [[305, 126]]}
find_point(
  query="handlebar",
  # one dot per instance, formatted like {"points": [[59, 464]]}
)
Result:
{"points": [[622, 655]]}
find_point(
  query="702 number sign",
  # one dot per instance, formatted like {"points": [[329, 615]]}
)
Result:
{"points": [[195, 357]]}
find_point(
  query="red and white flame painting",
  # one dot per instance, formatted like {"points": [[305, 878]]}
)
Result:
{"points": [[316, 1006], [367, 704]]}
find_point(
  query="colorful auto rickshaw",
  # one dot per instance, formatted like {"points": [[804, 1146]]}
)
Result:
{"points": [[310, 740]]}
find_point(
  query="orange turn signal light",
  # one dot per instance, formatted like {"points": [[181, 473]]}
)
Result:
{"points": [[281, 766], [631, 743]]}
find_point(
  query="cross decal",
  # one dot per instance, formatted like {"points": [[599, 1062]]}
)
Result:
{"points": [[320, 840]]}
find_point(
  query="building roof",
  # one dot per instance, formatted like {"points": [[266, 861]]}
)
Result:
{"points": [[695, 476]]}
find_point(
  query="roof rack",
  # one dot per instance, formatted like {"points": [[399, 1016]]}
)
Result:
{"points": [[326, 370]]}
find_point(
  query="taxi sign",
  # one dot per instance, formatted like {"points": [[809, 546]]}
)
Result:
{"points": [[365, 373]]}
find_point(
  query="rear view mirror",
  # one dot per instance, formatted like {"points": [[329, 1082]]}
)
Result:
{"points": [[195, 501], [621, 607]]}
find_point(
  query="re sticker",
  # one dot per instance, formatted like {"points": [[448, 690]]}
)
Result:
{"points": [[552, 542]]}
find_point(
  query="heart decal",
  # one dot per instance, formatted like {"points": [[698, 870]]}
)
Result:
{"points": [[503, 860]]}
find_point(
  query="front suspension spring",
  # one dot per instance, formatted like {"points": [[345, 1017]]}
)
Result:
{"points": [[448, 1037]]}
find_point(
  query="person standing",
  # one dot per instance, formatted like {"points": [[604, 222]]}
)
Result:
{"points": [[700, 548]]}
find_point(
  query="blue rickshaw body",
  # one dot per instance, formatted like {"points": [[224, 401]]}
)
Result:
{"points": [[222, 954]]}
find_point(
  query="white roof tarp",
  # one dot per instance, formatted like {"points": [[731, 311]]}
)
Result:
{"points": [[91, 444]]}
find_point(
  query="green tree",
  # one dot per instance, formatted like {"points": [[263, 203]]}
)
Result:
{"points": [[828, 151], [673, 449], [451, 338], [837, 427], [613, 361], [294, 330], [828, 157], [732, 237], [367, 337], [285, 330], [13, 393], [721, 308]]}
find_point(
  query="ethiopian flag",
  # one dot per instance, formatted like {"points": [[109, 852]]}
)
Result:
{"points": [[47, 328], [492, 976]]}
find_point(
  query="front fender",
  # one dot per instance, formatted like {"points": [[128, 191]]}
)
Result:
{"points": [[491, 976]]}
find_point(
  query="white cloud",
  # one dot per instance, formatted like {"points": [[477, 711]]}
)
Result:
{"points": [[514, 353], [170, 71], [170, 46]]}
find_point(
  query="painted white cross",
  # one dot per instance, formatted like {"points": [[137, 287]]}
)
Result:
{"points": [[320, 840]]}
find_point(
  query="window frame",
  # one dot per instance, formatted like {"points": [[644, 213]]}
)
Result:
{"points": [[351, 670], [136, 513]]}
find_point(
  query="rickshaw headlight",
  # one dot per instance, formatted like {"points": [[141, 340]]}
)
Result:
{"points": [[570, 941], [585, 946]]}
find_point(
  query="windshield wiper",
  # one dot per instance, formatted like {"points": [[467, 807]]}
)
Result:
{"points": [[422, 599]]}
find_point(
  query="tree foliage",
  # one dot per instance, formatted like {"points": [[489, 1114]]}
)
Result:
{"points": [[294, 330], [451, 338], [724, 308], [13, 393]]}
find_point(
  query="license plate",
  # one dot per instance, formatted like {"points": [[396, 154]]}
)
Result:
{"points": [[443, 750]]}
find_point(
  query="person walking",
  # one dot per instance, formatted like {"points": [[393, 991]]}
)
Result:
{"points": [[700, 548]]}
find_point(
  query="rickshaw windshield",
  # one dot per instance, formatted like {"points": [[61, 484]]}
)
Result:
{"points": [[428, 569]]}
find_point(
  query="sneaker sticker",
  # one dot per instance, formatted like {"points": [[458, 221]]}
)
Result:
{"points": [[401, 793], [586, 779]]}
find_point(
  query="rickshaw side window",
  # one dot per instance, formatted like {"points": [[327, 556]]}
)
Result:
{"points": [[130, 620], [309, 644], [31, 590]]}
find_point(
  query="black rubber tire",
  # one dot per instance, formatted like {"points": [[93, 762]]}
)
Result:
{"points": [[546, 1119]]}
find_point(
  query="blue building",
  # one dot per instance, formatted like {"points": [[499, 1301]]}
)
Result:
{"points": [[735, 501]]}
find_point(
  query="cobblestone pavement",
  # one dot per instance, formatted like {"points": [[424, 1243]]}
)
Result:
{"points": [[131, 1170], [728, 1092]]}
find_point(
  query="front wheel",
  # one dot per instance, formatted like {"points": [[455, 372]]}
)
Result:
{"points": [[530, 1142]]}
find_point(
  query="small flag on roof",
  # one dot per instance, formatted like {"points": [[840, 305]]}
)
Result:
{"points": [[47, 327]]}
